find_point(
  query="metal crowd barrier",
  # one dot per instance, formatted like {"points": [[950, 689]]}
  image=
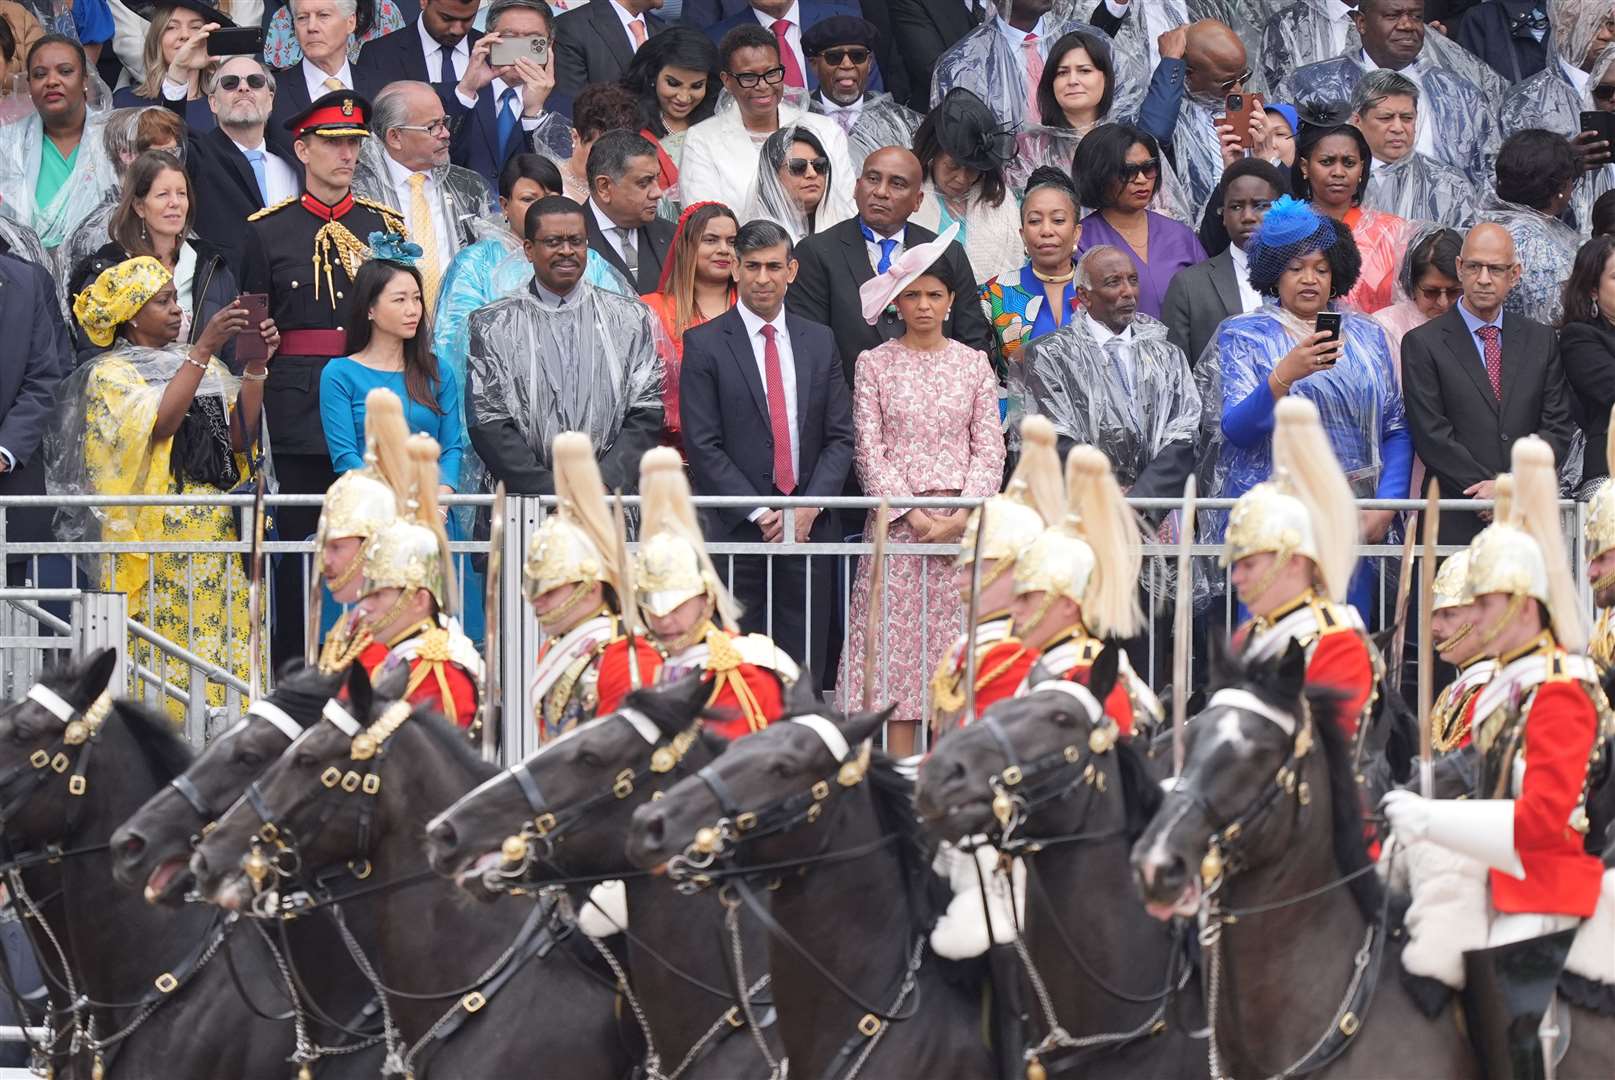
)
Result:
{"points": [[50, 605]]}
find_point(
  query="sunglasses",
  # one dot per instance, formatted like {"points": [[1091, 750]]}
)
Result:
{"points": [[1148, 170], [749, 79], [836, 57], [1604, 92], [1227, 87], [798, 166], [233, 82]]}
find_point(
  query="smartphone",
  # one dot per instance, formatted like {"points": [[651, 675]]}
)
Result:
{"points": [[1238, 111], [251, 348], [1328, 322], [1601, 123], [507, 51], [236, 41]]}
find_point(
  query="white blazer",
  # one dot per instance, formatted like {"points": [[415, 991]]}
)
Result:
{"points": [[720, 160]]}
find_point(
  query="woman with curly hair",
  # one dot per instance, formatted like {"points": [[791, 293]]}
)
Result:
{"points": [[1303, 262], [1331, 173]]}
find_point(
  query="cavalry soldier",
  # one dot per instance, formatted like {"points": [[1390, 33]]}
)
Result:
{"points": [[1601, 562], [1452, 626], [691, 614], [1077, 584], [1292, 544], [1537, 728], [1034, 497], [356, 507], [571, 577], [407, 602], [303, 253]]}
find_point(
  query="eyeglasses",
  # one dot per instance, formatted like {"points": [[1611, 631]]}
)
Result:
{"points": [[798, 166], [1236, 81], [1469, 266], [437, 128], [749, 79], [855, 53], [1148, 170], [1604, 92], [233, 82]]}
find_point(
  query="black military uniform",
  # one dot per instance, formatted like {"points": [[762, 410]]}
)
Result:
{"points": [[304, 255]]}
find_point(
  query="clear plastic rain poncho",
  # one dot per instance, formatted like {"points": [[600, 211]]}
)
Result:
{"points": [[1546, 250], [461, 195], [1589, 186], [881, 122], [1299, 34], [1246, 18], [583, 367], [1057, 147], [770, 198], [1418, 188], [1197, 153], [1136, 46], [21, 148], [120, 136], [1551, 99], [984, 62]]}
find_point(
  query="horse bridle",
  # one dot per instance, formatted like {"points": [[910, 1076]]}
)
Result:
{"points": [[70, 754], [265, 710]]}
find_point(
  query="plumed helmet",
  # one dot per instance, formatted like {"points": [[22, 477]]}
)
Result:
{"points": [[1601, 511], [573, 545], [1033, 499], [1452, 582], [673, 566], [413, 551]]}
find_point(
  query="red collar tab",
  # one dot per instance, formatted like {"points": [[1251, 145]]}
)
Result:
{"points": [[327, 213]]}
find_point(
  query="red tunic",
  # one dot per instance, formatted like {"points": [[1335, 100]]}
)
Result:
{"points": [[1000, 672], [614, 681], [747, 673], [1072, 660], [1338, 650], [1340, 659], [763, 685], [428, 689]]}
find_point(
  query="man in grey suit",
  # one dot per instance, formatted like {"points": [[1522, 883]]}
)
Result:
{"points": [[597, 42], [1474, 381], [1202, 296]]}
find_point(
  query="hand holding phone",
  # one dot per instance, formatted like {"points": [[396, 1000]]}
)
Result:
{"points": [[507, 50], [1328, 322], [236, 41], [251, 348]]}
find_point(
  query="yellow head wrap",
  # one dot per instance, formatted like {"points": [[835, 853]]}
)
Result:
{"points": [[113, 298]]}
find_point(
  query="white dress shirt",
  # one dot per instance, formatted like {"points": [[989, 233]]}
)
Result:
{"points": [[279, 178], [845, 115], [1339, 16], [608, 229], [314, 78], [432, 49], [398, 176], [1103, 335], [873, 246], [1424, 137], [497, 88], [787, 373], [793, 35], [554, 299], [1578, 78], [1249, 298], [1017, 37], [627, 19]]}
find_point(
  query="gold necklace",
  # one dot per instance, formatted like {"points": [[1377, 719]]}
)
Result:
{"points": [[1050, 279]]}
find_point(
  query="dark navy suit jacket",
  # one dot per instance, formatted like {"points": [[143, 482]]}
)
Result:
{"points": [[812, 12], [475, 145], [34, 358]]}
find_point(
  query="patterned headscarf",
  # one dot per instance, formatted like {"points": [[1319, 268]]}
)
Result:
{"points": [[114, 297]]}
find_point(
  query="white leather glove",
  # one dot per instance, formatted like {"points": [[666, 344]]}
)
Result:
{"points": [[1408, 813], [1483, 829]]}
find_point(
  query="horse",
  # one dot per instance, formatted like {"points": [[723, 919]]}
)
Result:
{"points": [[151, 853], [572, 808], [831, 832], [157, 1001], [1262, 837], [347, 806], [1073, 798]]}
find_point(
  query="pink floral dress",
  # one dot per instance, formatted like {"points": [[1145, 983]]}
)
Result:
{"points": [[926, 424]]}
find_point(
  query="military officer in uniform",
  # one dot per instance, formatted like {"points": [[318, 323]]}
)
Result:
{"points": [[407, 604], [303, 253], [1033, 498], [1077, 584], [571, 578], [1292, 544], [1537, 727], [1452, 626], [692, 616]]}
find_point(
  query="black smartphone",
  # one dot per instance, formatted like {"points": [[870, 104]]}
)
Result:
{"points": [[236, 41], [1328, 322], [1602, 124], [1235, 103]]}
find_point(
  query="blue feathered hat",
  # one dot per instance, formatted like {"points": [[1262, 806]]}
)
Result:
{"points": [[1290, 228], [392, 247]]}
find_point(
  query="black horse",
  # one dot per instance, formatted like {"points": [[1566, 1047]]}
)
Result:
{"points": [[151, 852], [74, 764], [830, 830], [472, 991], [1263, 836], [572, 810], [1074, 798]]}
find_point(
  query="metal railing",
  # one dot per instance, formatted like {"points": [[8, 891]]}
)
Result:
{"points": [[206, 693]]}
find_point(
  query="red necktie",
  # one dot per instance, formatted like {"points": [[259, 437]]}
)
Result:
{"points": [[1493, 356], [778, 421], [787, 55], [1034, 75]]}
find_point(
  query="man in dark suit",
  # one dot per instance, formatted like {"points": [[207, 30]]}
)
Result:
{"points": [[498, 110], [1475, 381], [766, 413], [239, 168], [1202, 296], [623, 192], [927, 29], [787, 20], [323, 35], [835, 262], [37, 357], [435, 48], [596, 43]]}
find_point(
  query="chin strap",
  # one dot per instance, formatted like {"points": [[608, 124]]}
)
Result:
{"points": [[1445, 647], [1516, 604]]}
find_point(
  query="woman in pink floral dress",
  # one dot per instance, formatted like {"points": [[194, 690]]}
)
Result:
{"points": [[925, 412]]}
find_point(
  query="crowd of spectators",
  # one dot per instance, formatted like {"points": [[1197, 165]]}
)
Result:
{"points": [[658, 222]]}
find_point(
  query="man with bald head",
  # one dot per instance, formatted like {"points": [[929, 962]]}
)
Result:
{"points": [[1475, 380], [835, 262], [1215, 65]]}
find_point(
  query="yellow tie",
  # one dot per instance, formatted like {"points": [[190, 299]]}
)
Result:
{"points": [[425, 234], [334, 84]]}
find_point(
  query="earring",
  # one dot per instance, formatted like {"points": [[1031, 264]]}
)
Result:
{"points": [[143, 233], [1595, 307]]}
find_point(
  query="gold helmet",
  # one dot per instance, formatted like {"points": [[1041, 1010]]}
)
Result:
{"points": [[1033, 499], [1306, 509], [363, 500], [1094, 556], [1522, 553], [673, 565], [1601, 508], [573, 545], [413, 551], [1451, 584]]}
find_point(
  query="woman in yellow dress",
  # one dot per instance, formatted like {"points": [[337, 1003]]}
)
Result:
{"points": [[147, 418]]}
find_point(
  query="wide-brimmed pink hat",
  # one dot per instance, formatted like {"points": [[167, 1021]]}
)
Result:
{"points": [[879, 291]]}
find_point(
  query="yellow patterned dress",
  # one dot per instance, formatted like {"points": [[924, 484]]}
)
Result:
{"points": [[199, 601]]}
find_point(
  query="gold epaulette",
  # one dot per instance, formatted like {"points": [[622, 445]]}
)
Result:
{"points": [[388, 214], [266, 211]]}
